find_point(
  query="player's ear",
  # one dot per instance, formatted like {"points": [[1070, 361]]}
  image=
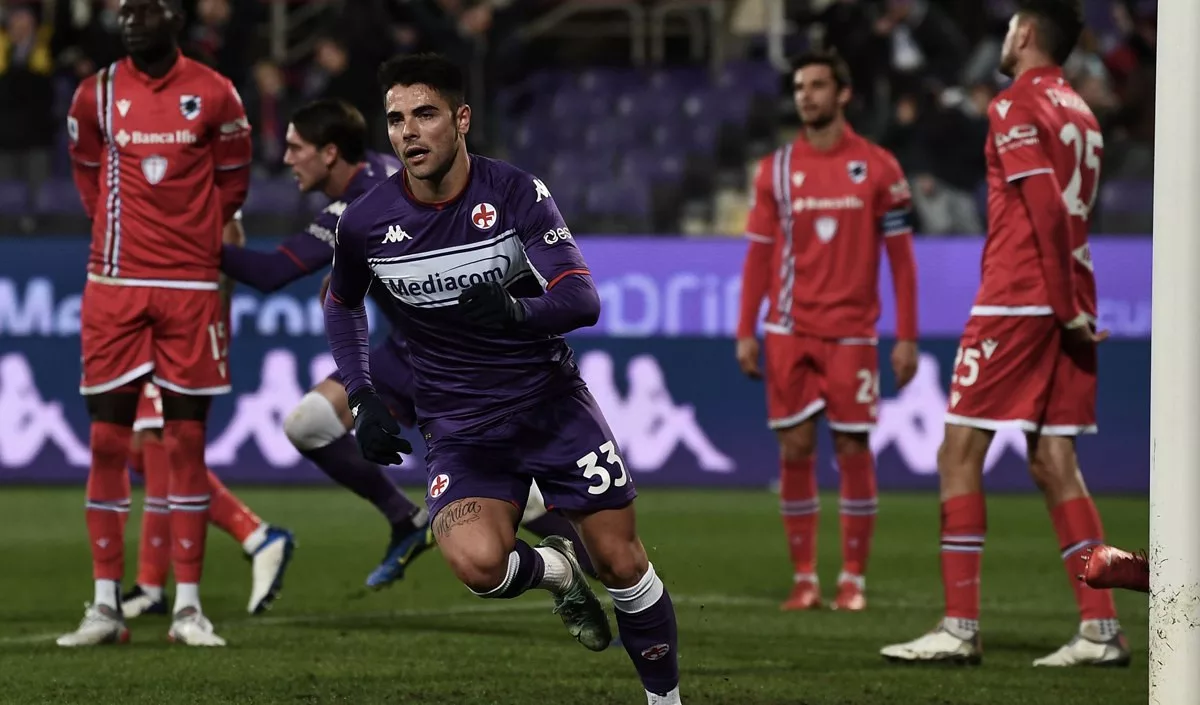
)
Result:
{"points": [[844, 96], [329, 155], [462, 119]]}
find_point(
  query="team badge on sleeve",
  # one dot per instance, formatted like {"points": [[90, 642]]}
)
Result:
{"points": [[189, 106]]}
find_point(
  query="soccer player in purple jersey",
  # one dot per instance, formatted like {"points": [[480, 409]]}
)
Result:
{"points": [[326, 149], [488, 279]]}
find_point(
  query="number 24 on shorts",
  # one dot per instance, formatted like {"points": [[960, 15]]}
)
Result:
{"points": [[589, 464]]}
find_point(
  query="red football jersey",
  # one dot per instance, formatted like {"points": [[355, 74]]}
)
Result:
{"points": [[826, 215], [1039, 125], [161, 165]]}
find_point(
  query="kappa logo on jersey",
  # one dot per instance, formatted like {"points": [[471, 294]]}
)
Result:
{"points": [[1002, 108], [138, 137], [826, 227], [483, 216], [857, 170], [123, 107], [438, 485], [189, 106], [395, 233], [154, 168], [540, 189], [798, 179]]}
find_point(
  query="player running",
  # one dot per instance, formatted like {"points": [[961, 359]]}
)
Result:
{"points": [[326, 149], [824, 206], [1028, 354], [269, 548], [454, 238], [160, 147]]}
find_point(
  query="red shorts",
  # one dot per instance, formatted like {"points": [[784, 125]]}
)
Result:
{"points": [[177, 335], [1013, 370], [806, 375], [149, 409]]}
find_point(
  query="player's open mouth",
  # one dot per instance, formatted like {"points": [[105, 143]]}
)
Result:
{"points": [[415, 153]]}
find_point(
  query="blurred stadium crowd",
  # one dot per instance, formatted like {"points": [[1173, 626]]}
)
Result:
{"points": [[643, 116]]}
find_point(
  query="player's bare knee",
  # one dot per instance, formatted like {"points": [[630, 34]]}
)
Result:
{"points": [[797, 443], [1054, 466], [620, 564], [181, 407], [481, 568], [851, 443]]}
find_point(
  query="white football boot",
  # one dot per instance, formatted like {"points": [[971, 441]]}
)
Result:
{"points": [[938, 646], [1099, 642], [101, 625], [671, 698], [191, 628]]}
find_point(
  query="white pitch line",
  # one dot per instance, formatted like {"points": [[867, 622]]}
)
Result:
{"points": [[514, 607]]}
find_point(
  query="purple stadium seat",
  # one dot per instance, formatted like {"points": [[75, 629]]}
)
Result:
{"points": [[58, 196], [623, 198], [750, 77], [652, 165], [275, 196], [14, 198]]}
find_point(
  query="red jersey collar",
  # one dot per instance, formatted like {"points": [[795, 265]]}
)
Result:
{"points": [[156, 84], [1040, 73], [440, 205], [848, 135]]}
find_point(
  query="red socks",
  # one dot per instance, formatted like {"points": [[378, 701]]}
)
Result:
{"points": [[188, 496], [108, 499], [154, 548], [800, 508], [859, 502], [964, 524], [228, 513], [1077, 524]]}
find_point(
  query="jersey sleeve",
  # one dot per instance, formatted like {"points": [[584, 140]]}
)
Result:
{"points": [[893, 198], [1017, 135], [763, 221], [232, 149], [547, 241], [85, 142]]}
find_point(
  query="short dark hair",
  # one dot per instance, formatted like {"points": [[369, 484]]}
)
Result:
{"points": [[1059, 24], [433, 70], [336, 122], [825, 57]]}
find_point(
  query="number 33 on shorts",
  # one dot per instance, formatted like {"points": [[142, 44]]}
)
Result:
{"points": [[606, 464]]}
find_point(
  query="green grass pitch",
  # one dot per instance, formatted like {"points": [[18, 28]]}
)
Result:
{"points": [[427, 640]]}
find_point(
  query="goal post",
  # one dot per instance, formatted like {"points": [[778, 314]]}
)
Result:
{"points": [[1175, 363]]}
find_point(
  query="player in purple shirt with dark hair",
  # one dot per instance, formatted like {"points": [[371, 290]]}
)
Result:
{"points": [[326, 149], [488, 279]]}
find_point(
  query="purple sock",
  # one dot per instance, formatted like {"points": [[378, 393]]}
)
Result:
{"points": [[646, 622], [551, 524], [525, 574], [344, 464]]}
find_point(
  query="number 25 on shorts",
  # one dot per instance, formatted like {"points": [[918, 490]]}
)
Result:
{"points": [[966, 358], [588, 464]]}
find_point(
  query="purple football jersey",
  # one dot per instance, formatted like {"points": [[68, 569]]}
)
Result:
{"points": [[504, 227]]}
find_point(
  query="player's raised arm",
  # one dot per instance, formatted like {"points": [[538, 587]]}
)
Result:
{"points": [[232, 151], [297, 257], [570, 300], [1027, 166], [762, 227], [893, 206], [86, 140]]}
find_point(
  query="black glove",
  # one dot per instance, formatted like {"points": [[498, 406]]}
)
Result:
{"points": [[377, 431], [490, 305]]}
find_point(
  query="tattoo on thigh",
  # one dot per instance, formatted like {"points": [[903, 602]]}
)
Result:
{"points": [[460, 513]]}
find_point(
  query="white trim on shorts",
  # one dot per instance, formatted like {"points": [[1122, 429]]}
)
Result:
{"points": [[202, 392], [851, 427], [796, 419], [146, 424], [1023, 424], [156, 283], [140, 371]]}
